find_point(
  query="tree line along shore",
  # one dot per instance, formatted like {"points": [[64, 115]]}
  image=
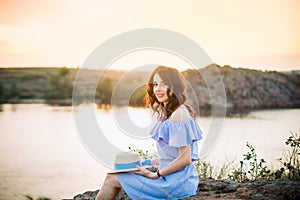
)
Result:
{"points": [[244, 88]]}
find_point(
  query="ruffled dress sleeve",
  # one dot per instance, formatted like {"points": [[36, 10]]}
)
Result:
{"points": [[178, 134]]}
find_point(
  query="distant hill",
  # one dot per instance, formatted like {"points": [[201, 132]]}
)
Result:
{"points": [[247, 88], [244, 88]]}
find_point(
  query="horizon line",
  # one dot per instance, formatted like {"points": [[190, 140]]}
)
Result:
{"points": [[126, 68]]}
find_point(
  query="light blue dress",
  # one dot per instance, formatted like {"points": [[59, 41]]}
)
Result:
{"points": [[180, 184]]}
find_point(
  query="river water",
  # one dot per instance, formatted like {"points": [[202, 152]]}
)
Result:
{"points": [[41, 153]]}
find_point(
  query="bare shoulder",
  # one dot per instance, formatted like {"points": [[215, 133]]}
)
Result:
{"points": [[180, 114]]}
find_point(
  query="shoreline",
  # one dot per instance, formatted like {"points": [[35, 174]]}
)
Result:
{"points": [[230, 112]]}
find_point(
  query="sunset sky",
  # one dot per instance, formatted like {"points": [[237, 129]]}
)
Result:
{"points": [[242, 33]]}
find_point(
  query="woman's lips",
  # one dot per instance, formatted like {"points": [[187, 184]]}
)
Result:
{"points": [[160, 95]]}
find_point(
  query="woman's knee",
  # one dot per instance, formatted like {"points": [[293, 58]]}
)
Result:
{"points": [[112, 180]]}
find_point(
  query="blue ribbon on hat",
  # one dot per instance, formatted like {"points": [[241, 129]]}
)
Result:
{"points": [[131, 165], [146, 162], [127, 165]]}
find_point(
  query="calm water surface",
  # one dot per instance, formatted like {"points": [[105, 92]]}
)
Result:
{"points": [[42, 155]]}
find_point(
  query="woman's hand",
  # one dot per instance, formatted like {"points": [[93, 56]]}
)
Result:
{"points": [[144, 172]]}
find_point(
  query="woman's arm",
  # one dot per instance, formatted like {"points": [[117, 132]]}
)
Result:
{"points": [[183, 159]]}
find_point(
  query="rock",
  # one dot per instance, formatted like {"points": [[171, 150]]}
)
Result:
{"points": [[244, 88], [89, 195], [210, 189]]}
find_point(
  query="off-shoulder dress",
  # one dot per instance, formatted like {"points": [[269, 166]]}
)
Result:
{"points": [[169, 136]]}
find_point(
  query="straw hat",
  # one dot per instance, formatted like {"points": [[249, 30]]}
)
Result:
{"points": [[126, 162]]}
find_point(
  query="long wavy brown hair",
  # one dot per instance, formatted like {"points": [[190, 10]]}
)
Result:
{"points": [[176, 92]]}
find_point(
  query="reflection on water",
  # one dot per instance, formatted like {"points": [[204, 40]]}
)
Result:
{"points": [[42, 155], [12, 107], [229, 112], [103, 106], [238, 113]]}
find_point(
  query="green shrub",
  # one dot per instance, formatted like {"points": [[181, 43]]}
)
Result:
{"points": [[204, 169], [291, 163], [251, 168]]}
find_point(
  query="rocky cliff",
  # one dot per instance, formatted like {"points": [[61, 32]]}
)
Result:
{"points": [[244, 88], [210, 189]]}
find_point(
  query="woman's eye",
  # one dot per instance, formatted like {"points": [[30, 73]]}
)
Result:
{"points": [[161, 84]]}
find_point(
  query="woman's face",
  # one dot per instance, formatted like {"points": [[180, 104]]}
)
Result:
{"points": [[160, 89]]}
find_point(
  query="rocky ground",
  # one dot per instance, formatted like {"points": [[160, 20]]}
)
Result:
{"points": [[211, 189]]}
